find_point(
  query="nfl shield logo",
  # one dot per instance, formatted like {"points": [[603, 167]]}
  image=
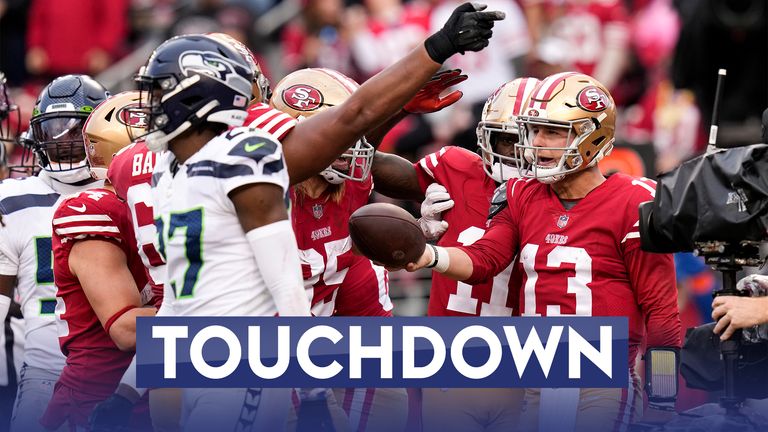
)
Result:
{"points": [[317, 211], [562, 221]]}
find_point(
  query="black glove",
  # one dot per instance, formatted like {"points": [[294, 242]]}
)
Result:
{"points": [[467, 29], [111, 415]]}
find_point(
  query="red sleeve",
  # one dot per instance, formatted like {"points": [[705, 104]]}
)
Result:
{"points": [[495, 250], [82, 216], [268, 119], [114, 17], [36, 22], [652, 275], [653, 280]]}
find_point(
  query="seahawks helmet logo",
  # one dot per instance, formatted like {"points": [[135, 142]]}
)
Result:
{"points": [[207, 63]]}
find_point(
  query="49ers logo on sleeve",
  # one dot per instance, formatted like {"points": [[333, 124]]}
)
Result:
{"points": [[592, 99], [302, 97]]}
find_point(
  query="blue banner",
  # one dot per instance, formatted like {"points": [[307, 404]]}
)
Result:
{"points": [[440, 352]]}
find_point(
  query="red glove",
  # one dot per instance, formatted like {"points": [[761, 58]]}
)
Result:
{"points": [[428, 99]]}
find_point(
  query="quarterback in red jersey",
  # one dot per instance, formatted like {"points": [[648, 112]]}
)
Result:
{"points": [[94, 242], [575, 235]]}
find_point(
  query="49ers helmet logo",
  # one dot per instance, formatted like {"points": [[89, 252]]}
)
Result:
{"points": [[302, 97], [592, 99], [132, 115]]}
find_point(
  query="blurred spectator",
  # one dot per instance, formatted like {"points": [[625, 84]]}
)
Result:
{"points": [[195, 16], [74, 36], [732, 35], [664, 116], [13, 28], [589, 36], [384, 32], [317, 38]]}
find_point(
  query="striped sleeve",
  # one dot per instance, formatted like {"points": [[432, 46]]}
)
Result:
{"points": [[426, 168], [79, 217], [643, 190], [263, 117]]}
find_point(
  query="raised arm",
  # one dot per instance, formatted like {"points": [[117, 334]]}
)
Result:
{"points": [[316, 142]]}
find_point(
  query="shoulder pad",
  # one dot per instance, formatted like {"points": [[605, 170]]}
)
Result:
{"points": [[499, 200]]}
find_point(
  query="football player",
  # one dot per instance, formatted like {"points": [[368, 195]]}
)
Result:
{"points": [[575, 235], [456, 172], [93, 242], [27, 206], [339, 282], [130, 172]]}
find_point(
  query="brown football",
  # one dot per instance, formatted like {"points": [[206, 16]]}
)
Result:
{"points": [[387, 234]]}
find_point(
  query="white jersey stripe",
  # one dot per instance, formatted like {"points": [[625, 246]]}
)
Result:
{"points": [[87, 229], [633, 234], [83, 218], [423, 164], [284, 129], [433, 159]]}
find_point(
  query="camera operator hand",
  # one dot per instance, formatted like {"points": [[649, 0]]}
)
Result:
{"points": [[736, 313]]}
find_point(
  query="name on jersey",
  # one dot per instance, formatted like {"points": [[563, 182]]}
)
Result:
{"points": [[557, 239], [382, 352], [321, 233], [143, 163]]}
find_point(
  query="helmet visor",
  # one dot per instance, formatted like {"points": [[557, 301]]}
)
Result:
{"points": [[60, 138]]}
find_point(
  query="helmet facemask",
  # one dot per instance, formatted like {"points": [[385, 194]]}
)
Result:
{"points": [[58, 143], [500, 167], [354, 164], [576, 154], [10, 126]]}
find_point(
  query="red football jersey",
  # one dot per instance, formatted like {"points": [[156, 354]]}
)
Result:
{"points": [[94, 363], [130, 172], [584, 261], [461, 172], [343, 283], [264, 117]]}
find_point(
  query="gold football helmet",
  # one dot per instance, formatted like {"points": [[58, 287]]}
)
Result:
{"points": [[261, 89], [306, 92], [500, 117], [109, 129], [583, 108]]}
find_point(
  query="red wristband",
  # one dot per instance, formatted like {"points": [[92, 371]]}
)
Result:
{"points": [[117, 315]]}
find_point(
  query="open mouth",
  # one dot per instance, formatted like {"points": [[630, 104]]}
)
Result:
{"points": [[546, 162], [341, 165]]}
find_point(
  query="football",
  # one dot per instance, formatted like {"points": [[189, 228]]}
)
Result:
{"points": [[386, 234]]}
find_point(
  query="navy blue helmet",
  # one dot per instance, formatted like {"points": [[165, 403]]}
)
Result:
{"points": [[57, 125], [193, 80]]}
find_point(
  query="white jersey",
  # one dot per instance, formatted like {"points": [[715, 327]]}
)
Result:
{"points": [[210, 265], [27, 207]]}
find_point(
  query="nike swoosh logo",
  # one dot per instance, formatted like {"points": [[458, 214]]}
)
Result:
{"points": [[253, 147], [80, 209]]}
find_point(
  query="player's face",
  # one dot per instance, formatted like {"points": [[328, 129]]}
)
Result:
{"points": [[549, 138], [505, 143]]}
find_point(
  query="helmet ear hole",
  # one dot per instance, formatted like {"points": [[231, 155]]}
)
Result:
{"points": [[598, 141], [192, 100]]}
